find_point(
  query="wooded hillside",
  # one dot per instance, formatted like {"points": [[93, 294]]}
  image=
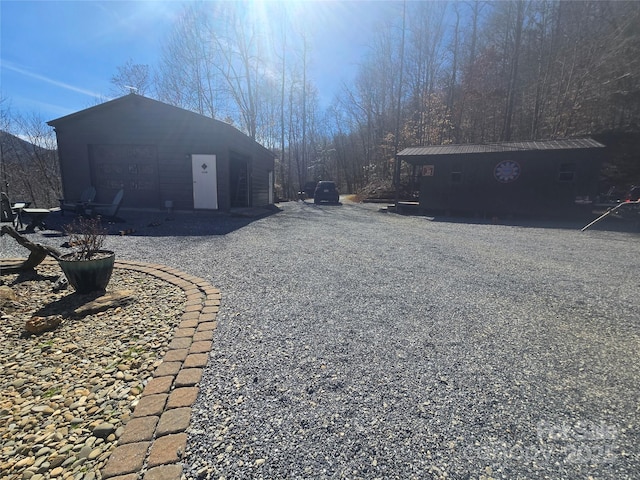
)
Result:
{"points": [[459, 72], [434, 73], [29, 172]]}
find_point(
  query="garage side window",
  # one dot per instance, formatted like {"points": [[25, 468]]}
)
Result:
{"points": [[567, 172]]}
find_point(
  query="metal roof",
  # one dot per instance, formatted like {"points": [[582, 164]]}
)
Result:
{"points": [[577, 143], [141, 101]]}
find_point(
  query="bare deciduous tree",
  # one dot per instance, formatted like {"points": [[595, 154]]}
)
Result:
{"points": [[30, 161], [187, 75], [132, 78]]}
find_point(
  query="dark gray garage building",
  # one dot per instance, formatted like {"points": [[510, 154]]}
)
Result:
{"points": [[542, 178], [159, 153]]}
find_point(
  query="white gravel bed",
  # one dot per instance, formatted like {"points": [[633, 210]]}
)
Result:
{"points": [[357, 344]]}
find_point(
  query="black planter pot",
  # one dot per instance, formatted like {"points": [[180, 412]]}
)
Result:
{"points": [[88, 275]]}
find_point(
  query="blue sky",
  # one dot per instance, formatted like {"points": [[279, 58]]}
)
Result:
{"points": [[57, 57]]}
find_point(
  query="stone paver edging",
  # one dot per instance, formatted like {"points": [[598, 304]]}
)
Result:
{"points": [[155, 438]]}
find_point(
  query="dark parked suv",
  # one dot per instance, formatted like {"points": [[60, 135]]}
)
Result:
{"points": [[326, 192]]}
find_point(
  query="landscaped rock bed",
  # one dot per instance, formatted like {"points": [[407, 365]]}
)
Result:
{"points": [[65, 394]]}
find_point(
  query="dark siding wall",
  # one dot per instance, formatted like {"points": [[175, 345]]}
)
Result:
{"points": [[262, 165], [176, 181], [467, 184], [74, 165], [134, 167], [176, 133], [129, 124]]}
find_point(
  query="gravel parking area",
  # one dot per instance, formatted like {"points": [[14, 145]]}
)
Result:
{"points": [[357, 344]]}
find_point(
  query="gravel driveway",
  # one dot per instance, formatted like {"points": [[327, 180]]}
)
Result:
{"points": [[357, 344]]}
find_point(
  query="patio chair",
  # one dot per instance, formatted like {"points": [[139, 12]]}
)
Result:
{"points": [[87, 196], [12, 212], [108, 210]]}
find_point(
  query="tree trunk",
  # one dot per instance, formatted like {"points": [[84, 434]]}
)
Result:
{"points": [[38, 252]]}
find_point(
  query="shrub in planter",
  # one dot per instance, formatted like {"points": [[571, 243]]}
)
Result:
{"points": [[89, 267]]}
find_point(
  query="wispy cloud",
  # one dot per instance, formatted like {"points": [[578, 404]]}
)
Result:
{"points": [[49, 110], [15, 68]]}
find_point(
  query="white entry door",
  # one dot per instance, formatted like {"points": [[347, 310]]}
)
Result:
{"points": [[205, 181]]}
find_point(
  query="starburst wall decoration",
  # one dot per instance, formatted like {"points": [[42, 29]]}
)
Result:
{"points": [[507, 171]]}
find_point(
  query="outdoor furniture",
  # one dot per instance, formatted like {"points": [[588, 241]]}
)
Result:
{"points": [[37, 217], [6, 214], [18, 208], [109, 210], [12, 212], [87, 196]]}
